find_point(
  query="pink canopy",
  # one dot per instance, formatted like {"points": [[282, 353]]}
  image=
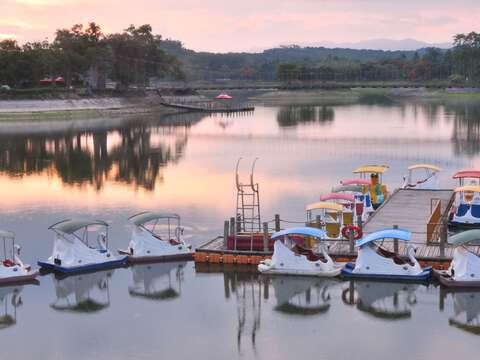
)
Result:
{"points": [[337, 196], [60, 80], [468, 173], [46, 81], [355, 182], [224, 96]]}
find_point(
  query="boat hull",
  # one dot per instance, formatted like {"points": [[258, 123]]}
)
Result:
{"points": [[17, 280], [446, 280], [157, 258], [84, 268], [347, 272], [274, 271], [463, 226]]}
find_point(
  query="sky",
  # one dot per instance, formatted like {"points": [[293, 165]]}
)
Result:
{"points": [[248, 25]]}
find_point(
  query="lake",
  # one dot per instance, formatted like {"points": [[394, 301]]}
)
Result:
{"points": [[112, 168]]}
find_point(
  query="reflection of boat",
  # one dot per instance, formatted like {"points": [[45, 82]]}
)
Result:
{"points": [[12, 269], [154, 239], [422, 176], [154, 281], [302, 296], [9, 296], [378, 190], [293, 254], [464, 269], [373, 261], [74, 252], [83, 293], [466, 212], [385, 300], [466, 306]]}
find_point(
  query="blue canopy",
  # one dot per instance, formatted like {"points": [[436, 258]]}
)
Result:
{"points": [[308, 231], [399, 234]]}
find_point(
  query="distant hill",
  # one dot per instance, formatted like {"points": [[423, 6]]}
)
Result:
{"points": [[212, 66], [385, 44]]}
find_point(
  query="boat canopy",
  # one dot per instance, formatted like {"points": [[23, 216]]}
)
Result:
{"points": [[337, 196], [464, 237], [355, 182], [467, 173], [5, 234], [70, 226], [146, 216], [324, 205], [375, 169], [472, 188], [399, 234], [425, 166], [351, 188], [308, 231]]}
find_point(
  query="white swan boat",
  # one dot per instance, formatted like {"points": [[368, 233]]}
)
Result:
{"points": [[293, 256], [74, 252], [422, 176], [12, 269], [375, 262], [155, 237], [85, 293], [464, 270], [466, 210]]}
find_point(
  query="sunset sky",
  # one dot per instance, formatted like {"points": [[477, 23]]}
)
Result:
{"points": [[219, 25]]}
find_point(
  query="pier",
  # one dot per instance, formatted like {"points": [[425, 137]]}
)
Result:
{"points": [[209, 106], [423, 212]]}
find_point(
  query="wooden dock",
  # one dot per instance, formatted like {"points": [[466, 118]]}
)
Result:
{"points": [[423, 212], [210, 106]]}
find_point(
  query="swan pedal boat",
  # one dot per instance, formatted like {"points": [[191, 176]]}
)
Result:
{"points": [[150, 242], [375, 262], [291, 258], [422, 177], [74, 253], [12, 269], [464, 270]]}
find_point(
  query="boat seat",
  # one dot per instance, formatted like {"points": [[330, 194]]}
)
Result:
{"points": [[475, 211], [173, 242], [8, 263], [390, 255], [311, 256], [333, 230], [462, 209], [368, 201]]}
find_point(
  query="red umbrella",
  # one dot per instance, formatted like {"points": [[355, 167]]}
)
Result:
{"points": [[224, 96]]}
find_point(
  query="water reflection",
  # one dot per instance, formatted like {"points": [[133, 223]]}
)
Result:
{"points": [[161, 281], [294, 115], [10, 300], [85, 293], [466, 307], [302, 295], [384, 300], [466, 127], [133, 152]]}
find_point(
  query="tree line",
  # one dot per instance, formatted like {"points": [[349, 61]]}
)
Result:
{"points": [[86, 55]]}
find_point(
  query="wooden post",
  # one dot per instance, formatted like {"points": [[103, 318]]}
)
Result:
{"points": [[360, 222], [443, 239], [395, 242], [318, 221], [351, 241], [265, 236], [277, 222], [233, 232], [226, 228]]}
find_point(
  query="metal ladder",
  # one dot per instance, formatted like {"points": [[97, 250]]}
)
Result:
{"points": [[247, 213]]}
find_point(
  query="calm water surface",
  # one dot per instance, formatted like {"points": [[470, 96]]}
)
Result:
{"points": [[112, 168]]}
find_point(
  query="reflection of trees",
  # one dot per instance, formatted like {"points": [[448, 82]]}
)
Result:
{"points": [[302, 114], [133, 153], [466, 128]]}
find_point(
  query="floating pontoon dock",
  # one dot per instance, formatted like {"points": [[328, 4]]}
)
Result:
{"points": [[423, 212]]}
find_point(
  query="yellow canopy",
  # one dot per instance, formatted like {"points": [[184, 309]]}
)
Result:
{"points": [[425, 166], [472, 188], [325, 205], [374, 169]]}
